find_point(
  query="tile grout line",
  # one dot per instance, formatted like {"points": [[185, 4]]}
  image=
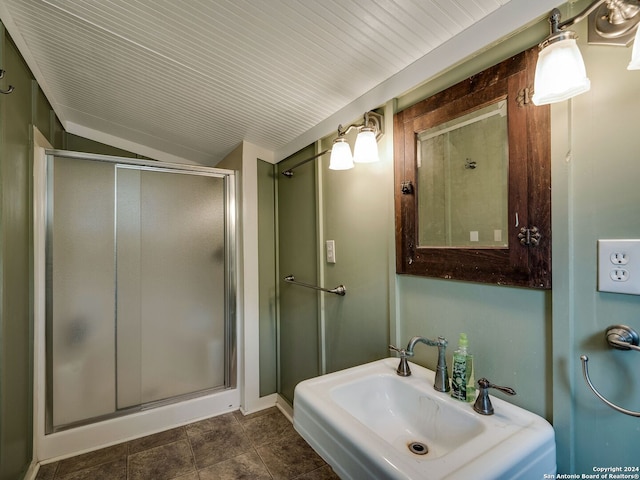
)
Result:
{"points": [[127, 460], [193, 454], [253, 445], [263, 462], [55, 471]]}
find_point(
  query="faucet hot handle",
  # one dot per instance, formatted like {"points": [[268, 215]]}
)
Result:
{"points": [[483, 402], [403, 368], [484, 383]]}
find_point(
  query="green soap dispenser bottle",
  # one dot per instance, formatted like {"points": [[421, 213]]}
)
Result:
{"points": [[462, 381]]}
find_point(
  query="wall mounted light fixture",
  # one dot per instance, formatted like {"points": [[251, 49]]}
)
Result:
{"points": [[560, 71], [366, 147]]}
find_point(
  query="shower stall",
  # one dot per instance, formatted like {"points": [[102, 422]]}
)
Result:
{"points": [[139, 296]]}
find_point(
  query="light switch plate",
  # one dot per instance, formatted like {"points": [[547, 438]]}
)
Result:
{"points": [[331, 251], [619, 266]]}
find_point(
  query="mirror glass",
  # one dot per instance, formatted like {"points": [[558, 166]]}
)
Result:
{"points": [[463, 181]]}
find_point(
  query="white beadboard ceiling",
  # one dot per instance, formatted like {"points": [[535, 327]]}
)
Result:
{"points": [[194, 78]]}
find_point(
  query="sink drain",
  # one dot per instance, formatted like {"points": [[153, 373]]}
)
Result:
{"points": [[418, 448]]}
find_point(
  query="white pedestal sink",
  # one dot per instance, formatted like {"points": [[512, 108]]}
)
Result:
{"points": [[369, 423]]}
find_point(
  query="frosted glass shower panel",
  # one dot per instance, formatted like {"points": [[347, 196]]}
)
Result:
{"points": [[170, 253], [81, 270], [140, 285]]}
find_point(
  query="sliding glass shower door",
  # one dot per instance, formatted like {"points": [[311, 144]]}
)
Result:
{"points": [[140, 287], [170, 271]]}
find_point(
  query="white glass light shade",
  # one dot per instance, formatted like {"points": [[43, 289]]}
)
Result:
{"points": [[634, 64], [366, 149], [560, 73], [341, 158]]}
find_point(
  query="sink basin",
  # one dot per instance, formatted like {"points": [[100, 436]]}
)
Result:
{"points": [[368, 422], [399, 414]]}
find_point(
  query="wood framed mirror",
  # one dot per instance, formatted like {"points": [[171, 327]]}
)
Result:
{"points": [[473, 181]]}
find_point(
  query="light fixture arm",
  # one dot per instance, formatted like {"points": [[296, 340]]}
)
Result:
{"points": [[615, 19], [371, 120], [342, 131], [557, 26]]}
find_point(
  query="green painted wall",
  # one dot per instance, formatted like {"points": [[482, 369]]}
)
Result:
{"points": [[595, 195], [20, 111], [41, 114], [81, 144], [299, 354], [508, 331], [16, 345], [323, 332], [356, 213]]}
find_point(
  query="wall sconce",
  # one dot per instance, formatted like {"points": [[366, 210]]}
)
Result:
{"points": [[365, 150], [560, 71], [366, 147]]}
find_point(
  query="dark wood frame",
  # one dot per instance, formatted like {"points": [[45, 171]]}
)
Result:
{"points": [[529, 133]]}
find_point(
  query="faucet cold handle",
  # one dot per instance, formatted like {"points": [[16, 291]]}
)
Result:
{"points": [[403, 368], [483, 402]]}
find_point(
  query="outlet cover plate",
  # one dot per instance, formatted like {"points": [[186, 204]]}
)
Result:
{"points": [[619, 266]]}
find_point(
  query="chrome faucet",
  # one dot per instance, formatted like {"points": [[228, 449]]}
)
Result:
{"points": [[441, 382]]}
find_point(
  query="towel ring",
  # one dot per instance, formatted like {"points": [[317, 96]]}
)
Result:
{"points": [[620, 337]]}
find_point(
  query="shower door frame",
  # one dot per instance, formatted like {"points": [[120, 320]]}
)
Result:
{"points": [[230, 307]]}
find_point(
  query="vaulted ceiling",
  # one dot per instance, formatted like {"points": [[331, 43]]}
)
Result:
{"points": [[194, 78]]}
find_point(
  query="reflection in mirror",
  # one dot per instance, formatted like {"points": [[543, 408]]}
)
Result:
{"points": [[462, 176]]}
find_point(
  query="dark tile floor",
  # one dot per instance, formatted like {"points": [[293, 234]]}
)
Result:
{"points": [[263, 445]]}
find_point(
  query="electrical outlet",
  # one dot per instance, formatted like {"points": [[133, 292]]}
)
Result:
{"points": [[619, 266], [619, 275], [619, 258]]}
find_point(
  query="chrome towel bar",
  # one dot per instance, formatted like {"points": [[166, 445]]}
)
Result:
{"points": [[620, 337], [289, 172], [339, 290]]}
